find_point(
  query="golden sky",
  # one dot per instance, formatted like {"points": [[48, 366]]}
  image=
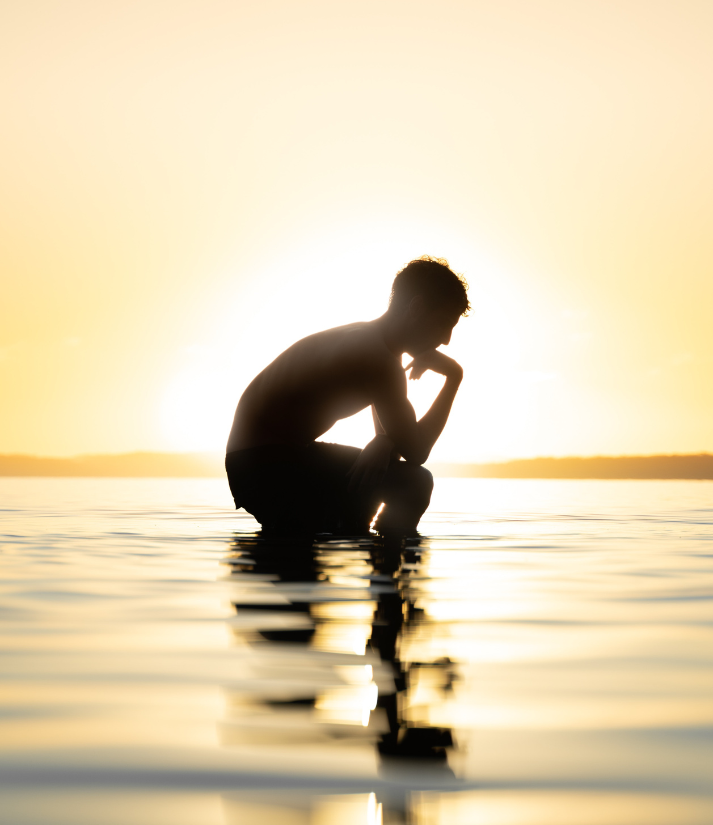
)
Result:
{"points": [[188, 187]]}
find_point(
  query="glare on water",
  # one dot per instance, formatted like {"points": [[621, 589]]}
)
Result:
{"points": [[543, 654]]}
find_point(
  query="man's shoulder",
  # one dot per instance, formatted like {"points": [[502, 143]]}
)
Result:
{"points": [[353, 349], [364, 342], [359, 336]]}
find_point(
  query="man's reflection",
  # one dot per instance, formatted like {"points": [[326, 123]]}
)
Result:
{"points": [[336, 614]]}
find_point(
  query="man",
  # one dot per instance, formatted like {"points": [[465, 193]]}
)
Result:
{"points": [[294, 484]]}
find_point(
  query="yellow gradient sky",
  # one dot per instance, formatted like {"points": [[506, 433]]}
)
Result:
{"points": [[188, 187]]}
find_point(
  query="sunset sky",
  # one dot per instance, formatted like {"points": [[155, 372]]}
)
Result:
{"points": [[189, 187]]}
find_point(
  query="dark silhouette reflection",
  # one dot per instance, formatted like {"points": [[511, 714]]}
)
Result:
{"points": [[329, 623], [396, 615]]}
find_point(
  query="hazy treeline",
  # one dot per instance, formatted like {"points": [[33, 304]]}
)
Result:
{"points": [[645, 466], [209, 465], [121, 465]]}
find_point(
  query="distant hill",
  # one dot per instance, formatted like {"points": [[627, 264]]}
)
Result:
{"points": [[207, 465], [121, 465], [699, 466]]}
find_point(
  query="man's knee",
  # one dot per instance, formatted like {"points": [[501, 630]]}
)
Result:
{"points": [[427, 483], [417, 482], [424, 479], [407, 495]]}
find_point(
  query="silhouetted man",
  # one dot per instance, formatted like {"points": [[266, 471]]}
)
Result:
{"points": [[294, 484]]}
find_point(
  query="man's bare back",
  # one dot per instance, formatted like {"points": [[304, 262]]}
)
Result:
{"points": [[309, 387]]}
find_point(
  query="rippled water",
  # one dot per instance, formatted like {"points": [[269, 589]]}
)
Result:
{"points": [[543, 656]]}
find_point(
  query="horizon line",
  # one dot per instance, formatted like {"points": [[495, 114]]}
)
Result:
{"points": [[220, 453], [150, 464]]}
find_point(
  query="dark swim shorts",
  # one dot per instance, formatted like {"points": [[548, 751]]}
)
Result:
{"points": [[301, 489]]}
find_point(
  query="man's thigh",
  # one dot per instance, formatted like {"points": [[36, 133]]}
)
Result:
{"points": [[293, 488], [332, 462]]}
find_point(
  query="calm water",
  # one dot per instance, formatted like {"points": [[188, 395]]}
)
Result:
{"points": [[543, 657]]}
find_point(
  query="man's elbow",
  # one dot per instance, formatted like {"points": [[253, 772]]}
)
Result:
{"points": [[415, 455]]}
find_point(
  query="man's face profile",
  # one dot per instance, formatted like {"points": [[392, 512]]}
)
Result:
{"points": [[432, 327]]}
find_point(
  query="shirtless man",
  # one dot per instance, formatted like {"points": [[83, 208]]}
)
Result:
{"points": [[294, 484]]}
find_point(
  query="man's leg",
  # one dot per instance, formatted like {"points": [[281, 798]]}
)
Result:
{"points": [[274, 483], [343, 512], [406, 494], [305, 490]]}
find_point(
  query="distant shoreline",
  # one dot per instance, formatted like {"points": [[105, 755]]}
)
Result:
{"points": [[682, 467], [210, 465]]}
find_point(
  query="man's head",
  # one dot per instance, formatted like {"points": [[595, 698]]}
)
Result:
{"points": [[436, 281], [429, 298]]}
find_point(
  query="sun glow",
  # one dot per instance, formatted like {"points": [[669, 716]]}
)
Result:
{"points": [[326, 283], [195, 411], [148, 188]]}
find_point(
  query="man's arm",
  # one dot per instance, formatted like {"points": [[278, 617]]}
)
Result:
{"points": [[369, 469], [414, 439], [378, 426]]}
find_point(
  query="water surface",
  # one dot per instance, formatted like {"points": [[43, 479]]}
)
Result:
{"points": [[544, 654]]}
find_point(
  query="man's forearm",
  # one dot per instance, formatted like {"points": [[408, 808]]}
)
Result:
{"points": [[381, 434], [378, 426], [431, 425]]}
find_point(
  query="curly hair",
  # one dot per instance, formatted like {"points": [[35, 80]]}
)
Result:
{"points": [[435, 280]]}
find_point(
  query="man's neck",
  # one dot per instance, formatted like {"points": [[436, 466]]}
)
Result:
{"points": [[391, 330]]}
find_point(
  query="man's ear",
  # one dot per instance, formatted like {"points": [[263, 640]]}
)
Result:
{"points": [[416, 307]]}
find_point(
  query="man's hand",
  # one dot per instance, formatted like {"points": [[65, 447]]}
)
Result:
{"points": [[368, 471], [435, 361]]}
